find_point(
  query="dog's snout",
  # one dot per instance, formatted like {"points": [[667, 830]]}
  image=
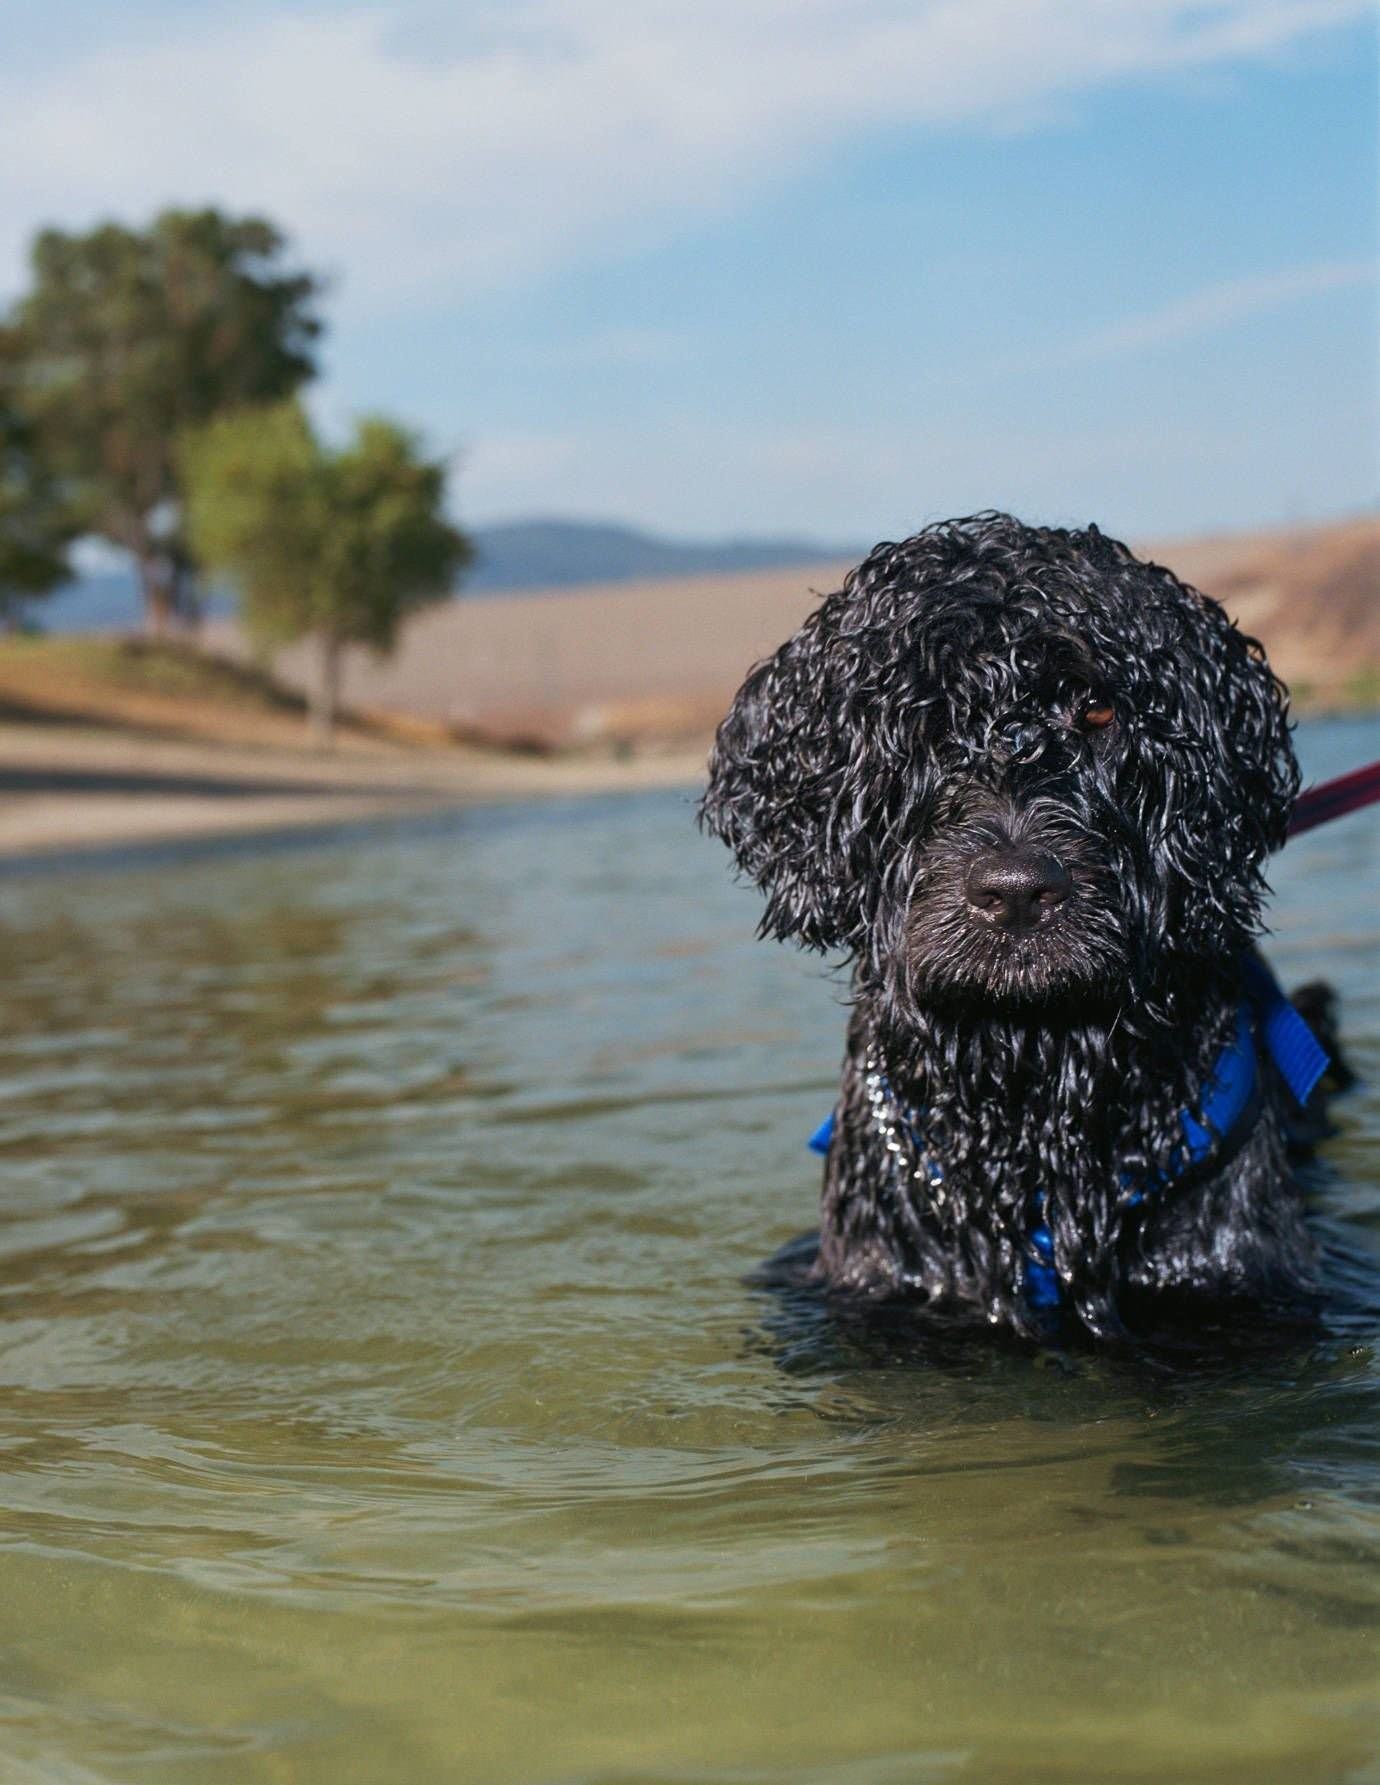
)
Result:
{"points": [[1017, 889]]}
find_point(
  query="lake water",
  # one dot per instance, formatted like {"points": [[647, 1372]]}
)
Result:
{"points": [[380, 1398]]}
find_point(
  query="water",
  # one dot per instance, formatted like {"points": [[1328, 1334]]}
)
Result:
{"points": [[380, 1399]]}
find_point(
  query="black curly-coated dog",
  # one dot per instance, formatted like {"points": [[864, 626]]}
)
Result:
{"points": [[1028, 784]]}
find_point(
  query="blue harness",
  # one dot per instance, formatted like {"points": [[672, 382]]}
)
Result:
{"points": [[1265, 1018]]}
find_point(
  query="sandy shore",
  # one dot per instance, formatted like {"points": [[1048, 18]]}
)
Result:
{"points": [[76, 788]]}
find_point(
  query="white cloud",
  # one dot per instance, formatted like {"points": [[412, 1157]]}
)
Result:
{"points": [[426, 170], [1214, 306]]}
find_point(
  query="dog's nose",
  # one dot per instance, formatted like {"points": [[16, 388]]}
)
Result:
{"points": [[1017, 889]]}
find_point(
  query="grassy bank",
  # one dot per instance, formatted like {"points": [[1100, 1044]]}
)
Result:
{"points": [[164, 686]]}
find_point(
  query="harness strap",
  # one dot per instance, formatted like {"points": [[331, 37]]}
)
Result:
{"points": [[1228, 1096]]}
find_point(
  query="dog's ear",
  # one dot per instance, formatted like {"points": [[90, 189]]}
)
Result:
{"points": [[1264, 764], [777, 776], [1225, 775], [1238, 707]]}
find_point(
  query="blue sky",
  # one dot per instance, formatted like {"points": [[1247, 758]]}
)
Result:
{"points": [[753, 266]]}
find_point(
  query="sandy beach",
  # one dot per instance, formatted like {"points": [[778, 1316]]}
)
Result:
{"points": [[70, 788]]}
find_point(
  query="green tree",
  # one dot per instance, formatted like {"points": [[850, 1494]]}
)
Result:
{"points": [[38, 520], [335, 547], [128, 339]]}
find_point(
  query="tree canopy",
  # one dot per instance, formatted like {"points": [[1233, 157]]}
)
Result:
{"points": [[338, 547], [129, 338], [38, 518]]}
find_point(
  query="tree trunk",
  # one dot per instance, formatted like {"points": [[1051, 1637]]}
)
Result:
{"points": [[324, 697], [186, 595], [159, 592]]}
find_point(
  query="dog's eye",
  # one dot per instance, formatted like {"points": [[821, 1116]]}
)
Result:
{"points": [[1096, 715]]}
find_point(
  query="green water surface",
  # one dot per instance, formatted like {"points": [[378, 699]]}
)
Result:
{"points": [[381, 1401]]}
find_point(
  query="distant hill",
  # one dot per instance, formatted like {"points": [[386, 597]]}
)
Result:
{"points": [[552, 554], [533, 554]]}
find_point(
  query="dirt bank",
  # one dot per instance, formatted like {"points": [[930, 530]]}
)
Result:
{"points": [[66, 788]]}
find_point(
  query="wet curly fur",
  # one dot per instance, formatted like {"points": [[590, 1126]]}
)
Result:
{"points": [[984, 693]]}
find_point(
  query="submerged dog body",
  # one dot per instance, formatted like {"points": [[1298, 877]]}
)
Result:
{"points": [[1029, 784]]}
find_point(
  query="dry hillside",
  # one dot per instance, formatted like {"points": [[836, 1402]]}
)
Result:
{"points": [[659, 660]]}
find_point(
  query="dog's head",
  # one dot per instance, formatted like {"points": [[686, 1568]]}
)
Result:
{"points": [[1008, 765]]}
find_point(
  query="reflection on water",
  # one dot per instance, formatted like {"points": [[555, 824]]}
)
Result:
{"points": [[382, 1399]]}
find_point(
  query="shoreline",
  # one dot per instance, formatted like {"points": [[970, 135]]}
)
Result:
{"points": [[70, 790], [75, 790]]}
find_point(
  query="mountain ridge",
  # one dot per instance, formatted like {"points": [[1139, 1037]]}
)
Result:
{"points": [[539, 552]]}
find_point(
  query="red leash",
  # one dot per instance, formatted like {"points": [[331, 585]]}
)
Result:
{"points": [[1334, 799]]}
